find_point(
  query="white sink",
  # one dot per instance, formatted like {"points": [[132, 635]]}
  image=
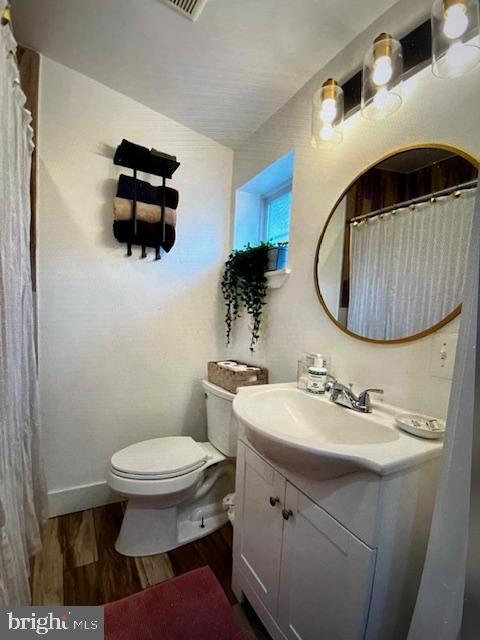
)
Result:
{"points": [[312, 435]]}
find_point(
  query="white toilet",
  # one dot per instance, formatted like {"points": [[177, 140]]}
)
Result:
{"points": [[175, 485]]}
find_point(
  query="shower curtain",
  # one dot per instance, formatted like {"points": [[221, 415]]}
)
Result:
{"points": [[22, 493], [440, 604], [408, 269]]}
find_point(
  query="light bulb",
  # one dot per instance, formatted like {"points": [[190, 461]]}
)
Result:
{"points": [[456, 21], [460, 57], [454, 57], [326, 133], [381, 99], [328, 112], [382, 71]]}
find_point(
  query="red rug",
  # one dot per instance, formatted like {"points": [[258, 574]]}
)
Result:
{"points": [[192, 606]]}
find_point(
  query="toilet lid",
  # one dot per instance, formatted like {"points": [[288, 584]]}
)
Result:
{"points": [[170, 456]]}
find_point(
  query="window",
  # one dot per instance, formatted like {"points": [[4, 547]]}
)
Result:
{"points": [[263, 205], [276, 215]]}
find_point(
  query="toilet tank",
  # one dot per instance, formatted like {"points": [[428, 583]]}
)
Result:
{"points": [[221, 424]]}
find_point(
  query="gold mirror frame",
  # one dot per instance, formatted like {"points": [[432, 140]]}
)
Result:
{"points": [[445, 147]]}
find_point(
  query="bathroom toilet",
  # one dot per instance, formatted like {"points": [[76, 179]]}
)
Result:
{"points": [[175, 485]]}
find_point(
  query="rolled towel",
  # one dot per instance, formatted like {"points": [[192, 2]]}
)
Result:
{"points": [[123, 208], [146, 192], [149, 234], [129, 154]]}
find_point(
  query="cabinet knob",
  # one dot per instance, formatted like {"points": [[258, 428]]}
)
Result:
{"points": [[287, 513], [274, 501]]}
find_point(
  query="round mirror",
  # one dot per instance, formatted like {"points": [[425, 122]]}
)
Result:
{"points": [[390, 263]]}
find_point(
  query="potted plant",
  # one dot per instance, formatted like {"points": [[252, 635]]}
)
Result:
{"points": [[244, 284], [277, 256]]}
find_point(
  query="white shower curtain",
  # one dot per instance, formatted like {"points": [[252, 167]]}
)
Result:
{"points": [[22, 494], [408, 269], [440, 603]]}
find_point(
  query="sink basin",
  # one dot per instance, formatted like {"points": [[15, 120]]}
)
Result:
{"points": [[312, 435]]}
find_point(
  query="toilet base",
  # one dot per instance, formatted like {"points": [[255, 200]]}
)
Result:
{"points": [[159, 531], [148, 529]]}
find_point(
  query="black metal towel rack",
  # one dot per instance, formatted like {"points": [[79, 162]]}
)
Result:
{"points": [[138, 158]]}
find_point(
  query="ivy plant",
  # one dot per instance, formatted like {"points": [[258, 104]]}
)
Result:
{"points": [[244, 285]]}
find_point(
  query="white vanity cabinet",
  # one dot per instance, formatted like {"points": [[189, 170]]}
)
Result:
{"points": [[306, 574], [262, 528], [326, 575]]}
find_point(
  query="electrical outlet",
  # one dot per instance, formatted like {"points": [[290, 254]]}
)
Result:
{"points": [[444, 346]]}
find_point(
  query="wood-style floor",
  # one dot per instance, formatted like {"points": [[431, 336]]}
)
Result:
{"points": [[78, 564]]}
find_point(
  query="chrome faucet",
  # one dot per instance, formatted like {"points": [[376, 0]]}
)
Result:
{"points": [[340, 394]]}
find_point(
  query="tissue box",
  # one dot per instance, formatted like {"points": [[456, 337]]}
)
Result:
{"points": [[231, 380]]}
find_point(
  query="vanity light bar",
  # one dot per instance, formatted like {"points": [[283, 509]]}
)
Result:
{"points": [[417, 54]]}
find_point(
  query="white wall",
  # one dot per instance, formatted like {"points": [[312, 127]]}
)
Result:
{"points": [[330, 260], [248, 219], [124, 342], [444, 111]]}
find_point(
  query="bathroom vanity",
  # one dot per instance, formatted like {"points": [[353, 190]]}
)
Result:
{"points": [[332, 518]]}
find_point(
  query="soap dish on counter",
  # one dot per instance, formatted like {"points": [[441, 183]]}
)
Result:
{"points": [[421, 426]]}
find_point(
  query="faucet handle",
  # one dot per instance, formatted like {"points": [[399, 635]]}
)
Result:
{"points": [[364, 398]]}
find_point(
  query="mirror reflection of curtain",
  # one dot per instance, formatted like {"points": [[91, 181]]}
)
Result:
{"points": [[370, 255], [408, 269]]}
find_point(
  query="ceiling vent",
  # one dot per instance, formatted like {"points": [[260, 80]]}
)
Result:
{"points": [[188, 8]]}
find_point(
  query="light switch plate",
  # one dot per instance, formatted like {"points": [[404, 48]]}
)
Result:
{"points": [[444, 346]]}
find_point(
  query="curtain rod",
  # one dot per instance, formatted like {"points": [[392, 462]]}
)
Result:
{"points": [[413, 201]]}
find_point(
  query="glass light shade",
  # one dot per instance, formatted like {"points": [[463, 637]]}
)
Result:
{"points": [[327, 115], [382, 78], [455, 37]]}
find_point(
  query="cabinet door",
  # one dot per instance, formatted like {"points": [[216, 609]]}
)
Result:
{"points": [[262, 528], [327, 574]]}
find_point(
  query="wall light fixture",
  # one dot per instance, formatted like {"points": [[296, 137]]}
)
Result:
{"points": [[382, 78], [327, 115], [455, 37]]}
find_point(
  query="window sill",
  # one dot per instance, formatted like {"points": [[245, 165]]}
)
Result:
{"points": [[276, 279]]}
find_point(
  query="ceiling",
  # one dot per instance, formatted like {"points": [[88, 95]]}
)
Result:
{"points": [[223, 75]]}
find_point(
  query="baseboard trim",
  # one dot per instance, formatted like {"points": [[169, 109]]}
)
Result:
{"points": [[79, 498]]}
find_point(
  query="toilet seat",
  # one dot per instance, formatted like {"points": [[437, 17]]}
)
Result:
{"points": [[163, 487], [160, 458]]}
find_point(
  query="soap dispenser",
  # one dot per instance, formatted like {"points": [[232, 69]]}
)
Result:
{"points": [[317, 376]]}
